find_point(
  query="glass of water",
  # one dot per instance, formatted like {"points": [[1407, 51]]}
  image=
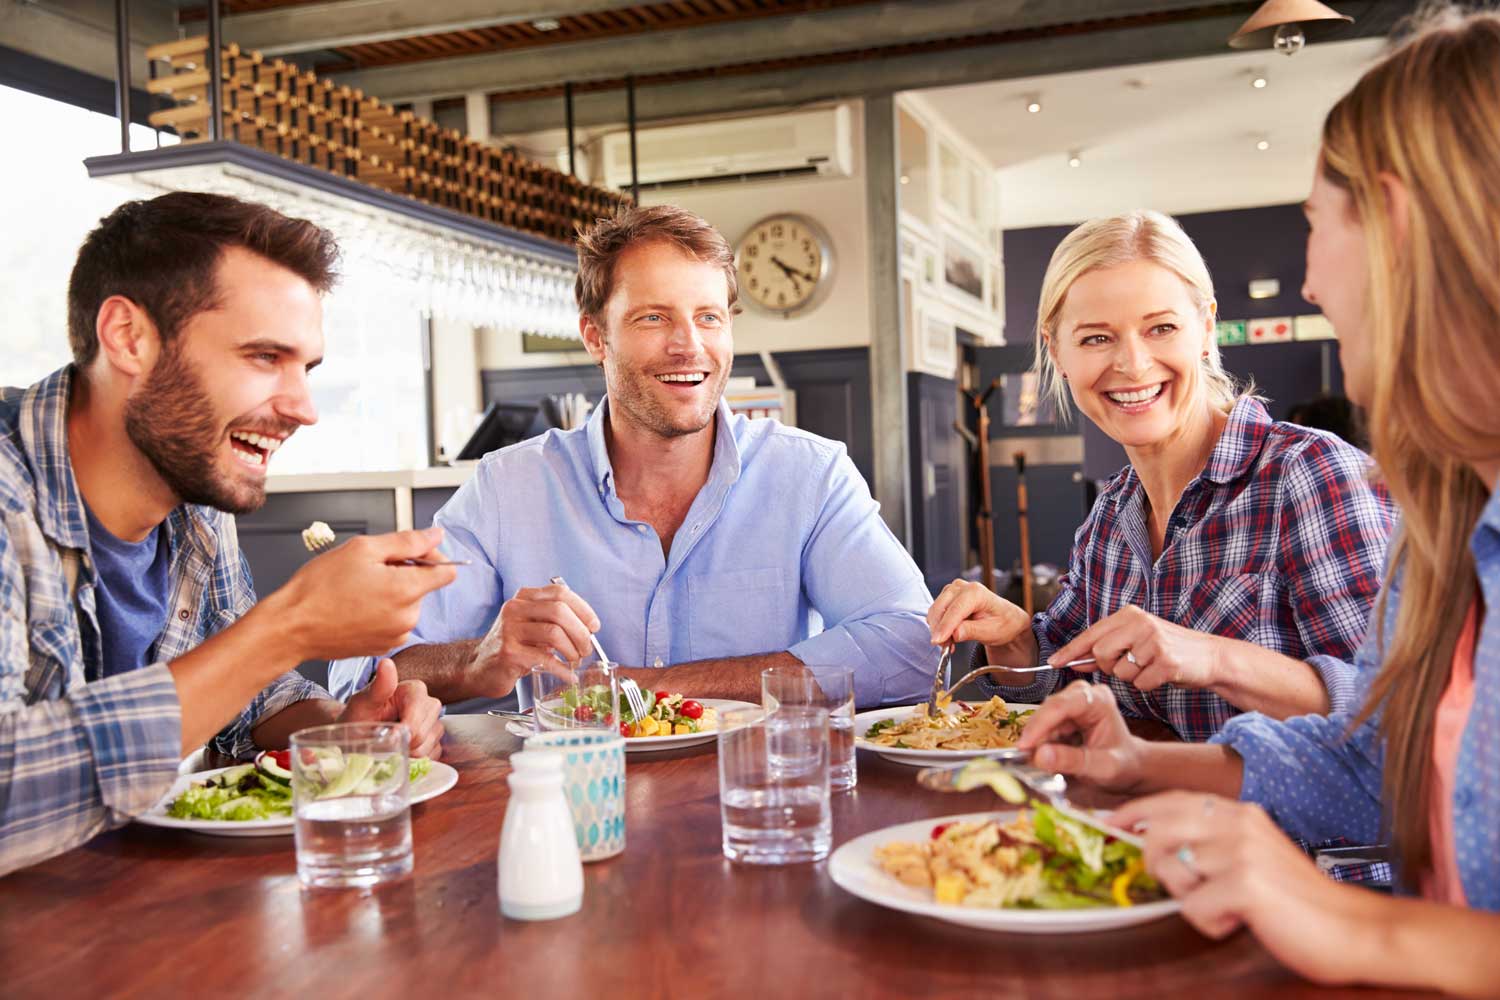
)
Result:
{"points": [[822, 686], [349, 799], [773, 784]]}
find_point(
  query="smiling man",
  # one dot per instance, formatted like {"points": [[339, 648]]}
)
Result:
{"points": [[129, 629], [695, 540]]}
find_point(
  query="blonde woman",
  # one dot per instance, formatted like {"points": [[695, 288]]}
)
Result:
{"points": [[1404, 258], [1232, 564]]}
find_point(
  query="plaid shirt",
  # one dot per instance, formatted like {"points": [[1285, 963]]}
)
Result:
{"points": [[1280, 541], [80, 754]]}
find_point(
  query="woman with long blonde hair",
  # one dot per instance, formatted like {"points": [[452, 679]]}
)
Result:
{"points": [[1404, 259]]}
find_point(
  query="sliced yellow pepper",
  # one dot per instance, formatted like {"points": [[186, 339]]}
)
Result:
{"points": [[949, 888], [1120, 888]]}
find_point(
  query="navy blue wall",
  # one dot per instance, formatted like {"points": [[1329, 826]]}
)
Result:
{"points": [[1239, 246]]}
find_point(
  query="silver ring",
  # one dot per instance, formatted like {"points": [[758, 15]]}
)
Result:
{"points": [[1189, 860], [1130, 656], [1088, 693]]}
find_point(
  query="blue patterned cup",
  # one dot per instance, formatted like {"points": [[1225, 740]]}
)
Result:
{"points": [[594, 784]]}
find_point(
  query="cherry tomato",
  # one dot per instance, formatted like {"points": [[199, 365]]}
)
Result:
{"points": [[691, 710], [625, 729], [663, 695], [283, 759], [609, 718], [583, 713]]}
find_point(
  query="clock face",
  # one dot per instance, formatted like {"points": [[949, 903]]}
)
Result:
{"points": [[783, 263]]}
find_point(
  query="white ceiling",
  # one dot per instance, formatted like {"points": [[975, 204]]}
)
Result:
{"points": [[1176, 136]]}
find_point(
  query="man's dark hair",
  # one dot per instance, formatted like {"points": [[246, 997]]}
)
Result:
{"points": [[600, 246], [163, 255]]}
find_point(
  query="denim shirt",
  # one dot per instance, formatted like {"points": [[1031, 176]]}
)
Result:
{"points": [[1318, 785]]}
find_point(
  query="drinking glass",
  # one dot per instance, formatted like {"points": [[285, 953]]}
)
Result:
{"points": [[592, 703], [350, 804], [773, 784], [822, 686]]}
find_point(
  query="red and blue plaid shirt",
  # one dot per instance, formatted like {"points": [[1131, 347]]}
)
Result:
{"points": [[1279, 541]]}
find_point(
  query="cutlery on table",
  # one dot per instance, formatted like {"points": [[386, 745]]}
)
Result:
{"points": [[631, 690], [1006, 776], [318, 536]]}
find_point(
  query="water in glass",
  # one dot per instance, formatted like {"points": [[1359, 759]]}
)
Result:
{"points": [[773, 785]]}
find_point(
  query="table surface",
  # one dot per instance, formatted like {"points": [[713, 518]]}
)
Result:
{"points": [[149, 911]]}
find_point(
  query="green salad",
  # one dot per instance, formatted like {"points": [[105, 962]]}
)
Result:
{"points": [[263, 790]]}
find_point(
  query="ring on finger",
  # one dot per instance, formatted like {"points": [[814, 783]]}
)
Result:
{"points": [[1188, 860]]}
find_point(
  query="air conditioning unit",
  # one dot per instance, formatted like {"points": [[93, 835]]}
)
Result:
{"points": [[797, 143]]}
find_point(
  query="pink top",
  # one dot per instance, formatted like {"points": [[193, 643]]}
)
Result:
{"points": [[1443, 884]]}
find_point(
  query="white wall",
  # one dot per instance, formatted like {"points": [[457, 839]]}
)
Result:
{"points": [[837, 204]]}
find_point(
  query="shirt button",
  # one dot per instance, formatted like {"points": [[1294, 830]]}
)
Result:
{"points": [[641, 528], [1463, 799], [183, 614]]}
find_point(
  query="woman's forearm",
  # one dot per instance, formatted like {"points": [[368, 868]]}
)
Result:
{"points": [[1193, 767], [1414, 943], [1256, 679]]}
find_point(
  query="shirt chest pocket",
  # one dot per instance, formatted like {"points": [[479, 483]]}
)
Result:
{"points": [[740, 613], [1237, 607]]}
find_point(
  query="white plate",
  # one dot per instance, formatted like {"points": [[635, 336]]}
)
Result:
{"points": [[432, 784], [854, 869], [918, 758], [653, 744]]}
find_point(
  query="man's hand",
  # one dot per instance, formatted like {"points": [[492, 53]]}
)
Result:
{"points": [[965, 610], [1159, 652], [547, 627], [406, 702], [352, 602]]}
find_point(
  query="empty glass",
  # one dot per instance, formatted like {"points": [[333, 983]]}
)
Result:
{"points": [[592, 703], [773, 784], [349, 799], [822, 686]]}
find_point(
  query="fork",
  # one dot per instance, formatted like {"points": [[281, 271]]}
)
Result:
{"points": [[966, 678], [637, 699], [315, 541], [1052, 787], [937, 680]]}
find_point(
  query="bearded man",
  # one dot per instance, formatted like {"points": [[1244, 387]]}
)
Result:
{"points": [[130, 634]]}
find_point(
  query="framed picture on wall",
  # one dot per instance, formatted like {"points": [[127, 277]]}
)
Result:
{"points": [[964, 272], [936, 345]]}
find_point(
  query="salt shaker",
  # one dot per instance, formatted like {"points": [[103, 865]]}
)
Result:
{"points": [[540, 874]]}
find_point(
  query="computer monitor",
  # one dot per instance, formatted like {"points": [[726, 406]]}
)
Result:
{"points": [[502, 424]]}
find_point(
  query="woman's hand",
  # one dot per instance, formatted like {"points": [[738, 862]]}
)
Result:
{"points": [[1232, 867], [1109, 757], [967, 611], [1147, 651]]}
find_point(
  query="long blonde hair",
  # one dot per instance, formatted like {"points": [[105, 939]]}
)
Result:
{"points": [[1428, 114], [1121, 239]]}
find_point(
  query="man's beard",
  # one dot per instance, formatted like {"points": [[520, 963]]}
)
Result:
{"points": [[630, 394], [171, 420]]}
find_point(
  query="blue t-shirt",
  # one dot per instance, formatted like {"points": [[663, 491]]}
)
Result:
{"points": [[131, 594]]}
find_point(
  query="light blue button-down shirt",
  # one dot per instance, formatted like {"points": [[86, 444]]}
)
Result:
{"points": [[783, 549]]}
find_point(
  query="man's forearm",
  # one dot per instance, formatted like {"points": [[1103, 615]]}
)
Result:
{"points": [[217, 679], [274, 732], [736, 678], [1256, 679], [443, 667], [1194, 767]]}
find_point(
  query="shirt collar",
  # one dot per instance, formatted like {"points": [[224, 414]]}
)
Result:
{"points": [[726, 463], [1248, 427], [59, 502]]}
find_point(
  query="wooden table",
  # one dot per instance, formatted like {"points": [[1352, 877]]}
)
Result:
{"points": [[152, 912]]}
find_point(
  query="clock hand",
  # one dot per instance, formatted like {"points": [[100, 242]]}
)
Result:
{"points": [[792, 272]]}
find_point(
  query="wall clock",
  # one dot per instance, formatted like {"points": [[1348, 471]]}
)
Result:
{"points": [[784, 264]]}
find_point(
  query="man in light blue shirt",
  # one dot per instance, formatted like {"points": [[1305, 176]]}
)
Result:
{"points": [[702, 542]]}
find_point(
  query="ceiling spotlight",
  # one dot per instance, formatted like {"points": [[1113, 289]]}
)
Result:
{"points": [[1263, 144], [1034, 105], [1259, 83], [905, 179], [546, 24], [1074, 160], [1284, 25]]}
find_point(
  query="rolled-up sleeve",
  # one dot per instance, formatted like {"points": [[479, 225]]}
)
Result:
{"points": [[869, 593], [72, 767], [1336, 526]]}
